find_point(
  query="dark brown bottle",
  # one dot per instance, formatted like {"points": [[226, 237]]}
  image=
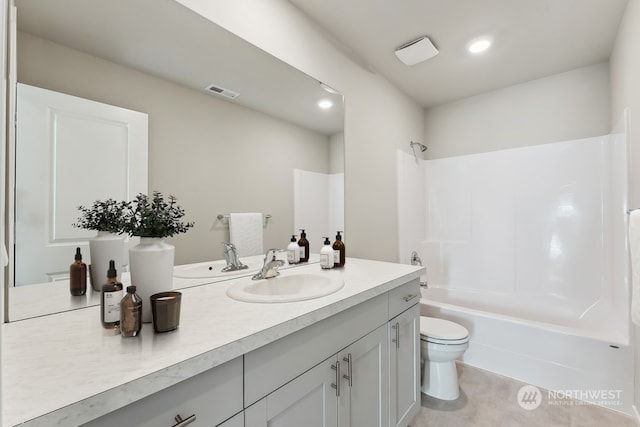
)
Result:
{"points": [[304, 246], [78, 276], [338, 251], [131, 313], [110, 299]]}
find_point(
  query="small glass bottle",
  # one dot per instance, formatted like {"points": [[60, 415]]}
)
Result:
{"points": [[338, 251], [131, 313], [110, 299], [78, 276], [304, 246]]}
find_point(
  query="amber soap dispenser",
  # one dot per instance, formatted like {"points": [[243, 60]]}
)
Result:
{"points": [[338, 251], [304, 246]]}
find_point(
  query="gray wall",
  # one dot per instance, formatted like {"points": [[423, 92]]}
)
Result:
{"points": [[213, 155], [570, 105]]}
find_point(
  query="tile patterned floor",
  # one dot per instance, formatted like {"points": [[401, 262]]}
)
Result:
{"points": [[490, 400]]}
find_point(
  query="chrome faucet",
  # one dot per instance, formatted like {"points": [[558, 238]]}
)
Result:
{"points": [[231, 257], [270, 267]]}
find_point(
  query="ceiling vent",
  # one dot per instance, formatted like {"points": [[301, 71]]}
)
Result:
{"points": [[222, 91], [416, 51]]}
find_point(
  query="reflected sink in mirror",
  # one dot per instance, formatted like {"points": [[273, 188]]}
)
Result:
{"points": [[285, 288], [204, 270]]}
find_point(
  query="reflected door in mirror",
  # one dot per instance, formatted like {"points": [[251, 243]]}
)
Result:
{"points": [[70, 152]]}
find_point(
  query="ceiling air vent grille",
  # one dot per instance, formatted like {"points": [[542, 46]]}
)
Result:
{"points": [[222, 91]]}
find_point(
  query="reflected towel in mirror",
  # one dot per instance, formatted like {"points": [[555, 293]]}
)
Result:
{"points": [[245, 232]]}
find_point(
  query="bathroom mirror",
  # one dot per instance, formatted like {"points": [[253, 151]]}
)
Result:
{"points": [[232, 147]]}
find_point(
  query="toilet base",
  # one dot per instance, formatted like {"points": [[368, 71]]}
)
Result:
{"points": [[440, 380]]}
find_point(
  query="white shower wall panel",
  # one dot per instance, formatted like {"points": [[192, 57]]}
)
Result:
{"points": [[543, 224]]}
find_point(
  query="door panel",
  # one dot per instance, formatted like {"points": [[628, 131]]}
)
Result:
{"points": [[69, 152]]}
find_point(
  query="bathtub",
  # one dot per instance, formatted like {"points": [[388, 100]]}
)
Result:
{"points": [[584, 355]]}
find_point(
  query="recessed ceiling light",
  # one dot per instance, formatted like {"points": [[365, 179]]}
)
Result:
{"points": [[325, 104], [479, 45]]}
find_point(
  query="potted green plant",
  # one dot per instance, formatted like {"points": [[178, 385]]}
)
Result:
{"points": [[152, 218], [106, 217]]}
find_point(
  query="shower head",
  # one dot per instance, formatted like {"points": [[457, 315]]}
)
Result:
{"points": [[423, 147]]}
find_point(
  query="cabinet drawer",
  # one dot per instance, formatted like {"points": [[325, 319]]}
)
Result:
{"points": [[213, 396], [403, 297]]}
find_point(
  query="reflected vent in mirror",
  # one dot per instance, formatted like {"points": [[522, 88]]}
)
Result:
{"points": [[222, 91]]}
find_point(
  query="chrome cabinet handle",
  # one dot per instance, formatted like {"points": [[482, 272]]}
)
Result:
{"points": [[183, 422], [397, 338], [336, 368], [410, 297], [349, 375]]}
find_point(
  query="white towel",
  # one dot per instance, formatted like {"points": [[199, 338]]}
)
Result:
{"points": [[634, 248], [245, 232]]}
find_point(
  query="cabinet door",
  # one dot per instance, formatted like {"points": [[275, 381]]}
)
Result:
{"points": [[404, 362], [309, 401], [237, 421], [364, 394]]}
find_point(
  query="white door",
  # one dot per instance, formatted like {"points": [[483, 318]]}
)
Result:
{"points": [[307, 401], [69, 152], [404, 362], [364, 395]]}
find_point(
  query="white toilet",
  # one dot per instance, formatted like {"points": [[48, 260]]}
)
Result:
{"points": [[441, 343]]}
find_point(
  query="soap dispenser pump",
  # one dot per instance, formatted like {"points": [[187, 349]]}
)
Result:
{"points": [[293, 251], [338, 251], [326, 254], [304, 246]]}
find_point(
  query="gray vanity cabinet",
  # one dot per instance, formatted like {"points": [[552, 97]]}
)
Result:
{"points": [[358, 367]]}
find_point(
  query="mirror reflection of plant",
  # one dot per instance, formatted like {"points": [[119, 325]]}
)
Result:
{"points": [[155, 217], [103, 215]]}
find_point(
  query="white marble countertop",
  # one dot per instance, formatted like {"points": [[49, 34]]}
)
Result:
{"points": [[65, 369]]}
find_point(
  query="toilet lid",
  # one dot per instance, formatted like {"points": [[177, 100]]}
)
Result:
{"points": [[443, 330]]}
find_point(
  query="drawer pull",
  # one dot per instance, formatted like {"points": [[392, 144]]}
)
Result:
{"points": [[183, 422], [336, 368], [397, 338], [410, 297], [349, 375]]}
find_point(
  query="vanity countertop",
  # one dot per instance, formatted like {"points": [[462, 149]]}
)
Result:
{"points": [[65, 369]]}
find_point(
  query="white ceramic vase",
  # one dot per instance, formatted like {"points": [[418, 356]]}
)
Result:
{"points": [[151, 266], [103, 248]]}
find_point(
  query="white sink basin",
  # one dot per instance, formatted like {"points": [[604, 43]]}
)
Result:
{"points": [[285, 288], [209, 269]]}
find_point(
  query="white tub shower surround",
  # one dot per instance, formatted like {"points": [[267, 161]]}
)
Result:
{"points": [[527, 248]]}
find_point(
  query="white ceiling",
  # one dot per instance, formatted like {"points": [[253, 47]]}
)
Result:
{"points": [[165, 39], [531, 39]]}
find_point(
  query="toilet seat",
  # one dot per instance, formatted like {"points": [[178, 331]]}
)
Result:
{"points": [[441, 331]]}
